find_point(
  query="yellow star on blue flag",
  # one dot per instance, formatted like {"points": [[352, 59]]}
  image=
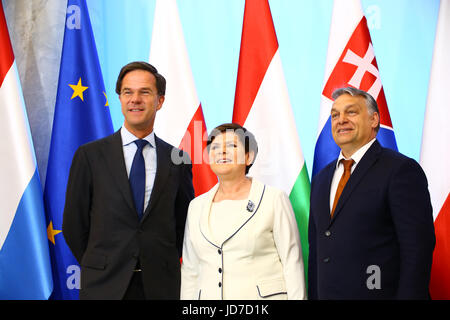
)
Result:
{"points": [[106, 97], [78, 90], [89, 120], [51, 233]]}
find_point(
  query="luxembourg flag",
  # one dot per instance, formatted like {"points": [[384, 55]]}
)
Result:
{"points": [[262, 106], [350, 63], [25, 271], [435, 153], [180, 121]]}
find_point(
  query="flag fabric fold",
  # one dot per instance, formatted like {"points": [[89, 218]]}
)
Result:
{"points": [[81, 115], [350, 62], [435, 153], [180, 121], [262, 106], [25, 270]]}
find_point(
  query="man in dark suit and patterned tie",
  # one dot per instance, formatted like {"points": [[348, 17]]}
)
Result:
{"points": [[371, 232], [126, 200]]}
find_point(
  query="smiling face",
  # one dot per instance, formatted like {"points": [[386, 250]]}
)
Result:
{"points": [[227, 156], [352, 125], [140, 102]]}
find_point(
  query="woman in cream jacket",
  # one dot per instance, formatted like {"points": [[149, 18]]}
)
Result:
{"points": [[241, 239]]}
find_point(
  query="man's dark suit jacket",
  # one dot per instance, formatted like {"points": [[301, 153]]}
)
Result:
{"points": [[101, 225], [383, 218]]}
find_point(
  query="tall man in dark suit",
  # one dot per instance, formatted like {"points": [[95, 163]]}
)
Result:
{"points": [[371, 237], [126, 252]]}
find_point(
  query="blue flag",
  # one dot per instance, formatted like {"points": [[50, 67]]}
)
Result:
{"points": [[25, 271], [81, 115]]}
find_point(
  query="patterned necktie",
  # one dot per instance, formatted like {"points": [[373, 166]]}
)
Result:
{"points": [[137, 177], [345, 176]]}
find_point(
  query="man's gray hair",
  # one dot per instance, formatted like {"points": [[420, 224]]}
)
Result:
{"points": [[371, 103]]}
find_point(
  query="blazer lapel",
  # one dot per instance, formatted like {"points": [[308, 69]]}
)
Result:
{"points": [[369, 158], [254, 200], [114, 158], [163, 164], [204, 216], [252, 205], [329, 179]]}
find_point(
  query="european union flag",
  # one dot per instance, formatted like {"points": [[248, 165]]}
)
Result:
{"points": [[81, 115]]}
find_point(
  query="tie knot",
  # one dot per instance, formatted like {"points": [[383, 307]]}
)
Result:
{"points": [[347, 164], [141, 143]]}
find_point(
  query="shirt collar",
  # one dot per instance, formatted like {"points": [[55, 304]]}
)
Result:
{"points": [[128, 137], [357, 156]]}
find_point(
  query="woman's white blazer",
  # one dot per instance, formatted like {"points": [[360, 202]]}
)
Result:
{"points": [[261, 258]]}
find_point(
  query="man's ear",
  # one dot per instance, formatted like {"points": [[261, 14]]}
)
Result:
{"points": [[376, 119], [160, 102]]}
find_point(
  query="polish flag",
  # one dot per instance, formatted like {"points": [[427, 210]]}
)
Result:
{"points": [[435, 153], [262, 106], [180, 121], [350, 63]]}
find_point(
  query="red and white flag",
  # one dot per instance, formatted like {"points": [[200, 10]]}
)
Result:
{"points": [[180, 121], [435, 153]]}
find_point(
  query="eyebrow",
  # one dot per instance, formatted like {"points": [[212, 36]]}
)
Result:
{"points": [[138, 89], [346, 107]]}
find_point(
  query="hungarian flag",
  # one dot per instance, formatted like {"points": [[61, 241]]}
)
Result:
{"points": [[350, 63], [180, 121], [262, 106], [435, 153]]}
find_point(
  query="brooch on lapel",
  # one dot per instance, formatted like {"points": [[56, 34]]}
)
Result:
{"points": [[250, 206]]}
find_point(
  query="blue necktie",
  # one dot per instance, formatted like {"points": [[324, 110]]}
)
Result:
{"points": [[137, 177]]}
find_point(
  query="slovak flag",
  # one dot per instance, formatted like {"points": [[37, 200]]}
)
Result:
{"points": [[350, 63], [180, 121]]}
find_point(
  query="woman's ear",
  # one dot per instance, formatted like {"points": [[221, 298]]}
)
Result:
{"points": [[249, 158]]}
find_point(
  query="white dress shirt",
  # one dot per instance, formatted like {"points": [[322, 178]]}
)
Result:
{"points": [[339, 171], [149, 153]]}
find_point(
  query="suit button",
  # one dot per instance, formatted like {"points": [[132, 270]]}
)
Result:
{"points": [[219, 251], [220, 284], [327, 233], [326, 260], [220, 270]]}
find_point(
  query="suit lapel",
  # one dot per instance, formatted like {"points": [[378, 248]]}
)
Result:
{"points": [[163, 164], [204, 216], [323, 198], [114, 158], [369, 158], [329, 179], [254, 200]]}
